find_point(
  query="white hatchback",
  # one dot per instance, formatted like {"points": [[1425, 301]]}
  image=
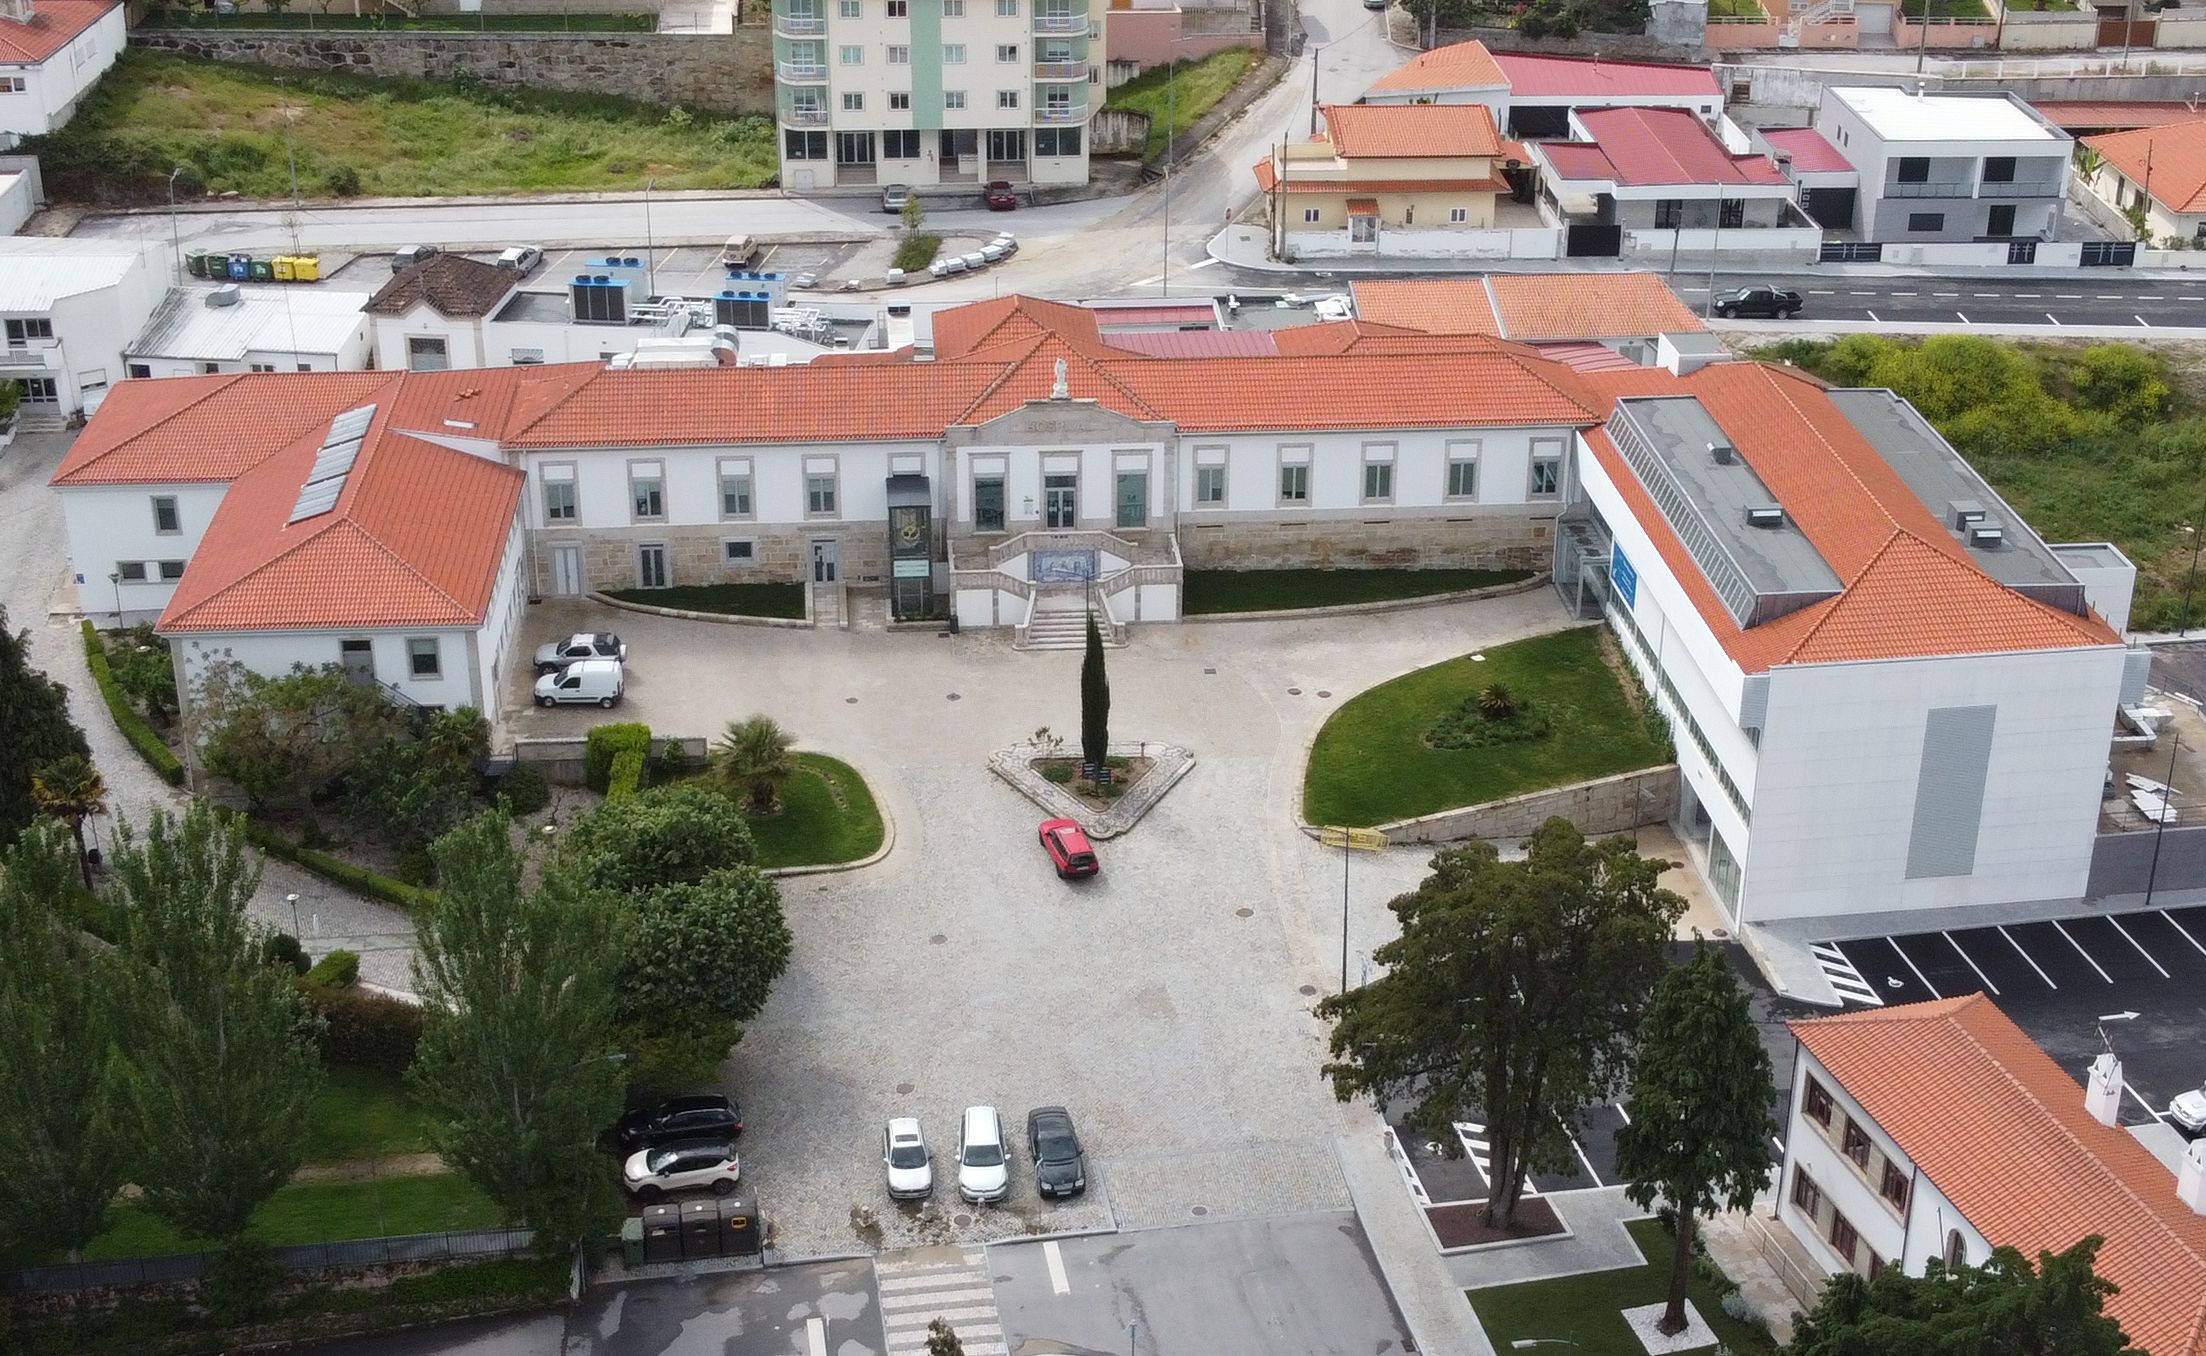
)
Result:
{"points": [[983, 1163], [910, 1166], [685, 1163]]}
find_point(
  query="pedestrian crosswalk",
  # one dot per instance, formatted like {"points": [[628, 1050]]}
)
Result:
{"points": [[950, 1283], [1844, 978]]}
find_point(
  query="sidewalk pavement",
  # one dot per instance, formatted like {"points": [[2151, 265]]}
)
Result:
{"points": [[1432, 1303], [1731, 1245], [1597, 1242]]}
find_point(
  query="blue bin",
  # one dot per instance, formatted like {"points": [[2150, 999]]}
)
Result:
{"points": [[241, 267]]}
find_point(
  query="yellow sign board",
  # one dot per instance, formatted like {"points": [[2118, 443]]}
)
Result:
{"points": [[1362, 840]]}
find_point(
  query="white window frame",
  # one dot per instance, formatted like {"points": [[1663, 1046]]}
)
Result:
{"points": [[1461, 452], [953, 100], [953, 54], [1295, 456], [899, 54], [738, 469], [414, 657], [1545, 452], [132, 571], [1311, 216], [854, 101], [1007, 54], [560, 473], [651, 472], [850, 54], [828, 469], [747, 561], [900, 101], [1210, 464], [175, 516], [1007, 99], [1457, 216], [1377, 455]]}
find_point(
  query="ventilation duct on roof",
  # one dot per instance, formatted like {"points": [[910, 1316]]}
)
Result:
{"points": [[1985, 535], [225, 295], [1723, 454], [1961, 512], [1764, 515]]}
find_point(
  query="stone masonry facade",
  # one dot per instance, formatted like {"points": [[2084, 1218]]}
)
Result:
{"points": [[1606, 805], [720, 73], [696, 553], [1498, 541]]}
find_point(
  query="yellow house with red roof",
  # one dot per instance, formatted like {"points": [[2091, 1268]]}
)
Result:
{"points": [[1376, 168]]}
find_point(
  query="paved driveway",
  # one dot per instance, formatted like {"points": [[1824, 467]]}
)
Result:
{"points": [[1165, 1002]]}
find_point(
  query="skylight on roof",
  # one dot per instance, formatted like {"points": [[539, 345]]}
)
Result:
{"points": [[325, 479]]}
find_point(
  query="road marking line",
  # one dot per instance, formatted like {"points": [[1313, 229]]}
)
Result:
{"points": [[1204, 264], [1945, 294], [1574, 1144], [2142, 1102], [1146, 281], [1987, 294], [1964, 318], [2140, 950], [1056, 1260], [1871, 314], [2028, 296], [2054, 318], [1871, 294], [2081, 952], [2068, 296], [1972, 963], [1780, 1145], [1896, 294], [815, 1336], [2150, 298], [1825, 293], [1844, 976], [2025, 956], [1911, 965], [2106, 296], [2142, 321], [1625, 1114], [2185, 931]]}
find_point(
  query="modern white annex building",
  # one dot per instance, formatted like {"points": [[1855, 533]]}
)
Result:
{"points": [[69, 308]]}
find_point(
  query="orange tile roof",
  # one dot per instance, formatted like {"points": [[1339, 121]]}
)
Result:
{"points": [[1908, 588], [2001, 1131], [185, 429], [1393, 131], [53, 23], [2175, 155], [960, 330], [1459, 65], [1363, 207], [1529, 307]]}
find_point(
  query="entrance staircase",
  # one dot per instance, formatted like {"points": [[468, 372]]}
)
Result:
{"points": [[1059, 621]]}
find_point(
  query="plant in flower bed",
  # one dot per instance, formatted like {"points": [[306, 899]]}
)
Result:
{"points": [[1058, 769], [1492, 715]]}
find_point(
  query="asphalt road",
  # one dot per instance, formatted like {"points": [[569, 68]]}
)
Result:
{"points": [[2110, 297]]}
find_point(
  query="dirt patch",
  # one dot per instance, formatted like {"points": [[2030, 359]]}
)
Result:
{"points": [[1462, 1225]]}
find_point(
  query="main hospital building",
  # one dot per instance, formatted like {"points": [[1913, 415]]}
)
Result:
{"points": [[1887, 692]]}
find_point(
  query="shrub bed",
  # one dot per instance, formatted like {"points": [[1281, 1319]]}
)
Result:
{"points": [[353, 877], [605, 743], [337, 970], [363, 1029], [627, 774], [158, 755]]}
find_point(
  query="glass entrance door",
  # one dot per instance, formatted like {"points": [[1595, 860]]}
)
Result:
{"points": [[651, 566], [1060, 500], [988, 504], [1133, 499]]}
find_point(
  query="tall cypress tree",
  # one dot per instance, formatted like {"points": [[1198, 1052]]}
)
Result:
{"points": [[35, 729], [1095, 701]]}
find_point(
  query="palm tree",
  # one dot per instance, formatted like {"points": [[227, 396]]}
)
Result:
{"points": [[71, 790], [753, 756]]}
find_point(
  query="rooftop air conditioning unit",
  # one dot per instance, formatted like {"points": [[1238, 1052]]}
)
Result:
{"points": [[225, 295], [1764, 515], [1985, 535], [1723, 454], [1961, 512]]}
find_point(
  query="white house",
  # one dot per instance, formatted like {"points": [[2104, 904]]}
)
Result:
{"points": [[197, 331], [51, 52], [1939, 1131], [430, 315], [1947, 167], [2159, 172], [1886, 691], [69, 306]]}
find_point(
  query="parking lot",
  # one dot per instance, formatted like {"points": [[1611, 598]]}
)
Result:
{"points": [[2056, 980]]}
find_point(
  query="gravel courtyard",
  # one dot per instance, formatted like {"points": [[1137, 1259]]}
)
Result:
{"points": [[1166, 1002]]}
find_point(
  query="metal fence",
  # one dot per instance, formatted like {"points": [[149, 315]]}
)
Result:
{"points": [[359, 1252]]}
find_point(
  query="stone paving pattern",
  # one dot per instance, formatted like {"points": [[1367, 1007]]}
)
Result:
{"points": [[1169, 763]]}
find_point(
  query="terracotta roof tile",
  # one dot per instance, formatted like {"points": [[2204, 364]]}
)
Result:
{"points": [[1647, 146], [185, 429], [2082, 115], [1459, 65], [1530, 307], [1389, 131], [454, 285], [1811, 151], [2001, 1131], [1531, 75], [53, 23], [2175, 155]]}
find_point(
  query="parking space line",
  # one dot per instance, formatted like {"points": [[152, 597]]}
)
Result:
{"points": [[1871, 314], [1964, 319], [1623, 1113], [2054, 318], [1911, 965], [1845, 978], [1971, 963], [1056, 1259], [1581, 1151], [1480, 1151], [2140, 950], [2142, 321], [2081, 952], [2026, 956], [2142, 1102], [2185, 931], [815, 1336]]}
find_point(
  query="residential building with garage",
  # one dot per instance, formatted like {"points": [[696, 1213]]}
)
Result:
{"points": [[1946, 167], [1532, 94], [1939, 1131]]}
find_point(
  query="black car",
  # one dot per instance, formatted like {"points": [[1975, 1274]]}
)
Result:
{"points": [[703, 1117], [1060, 1169], [1771, 302]]}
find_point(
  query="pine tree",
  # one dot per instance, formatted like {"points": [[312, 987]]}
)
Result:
{"points": [[1095, 702]]}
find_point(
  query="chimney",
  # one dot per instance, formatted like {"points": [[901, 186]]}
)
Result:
{"points": [[2102, 1095], [17, 10], [2190, 1177]]}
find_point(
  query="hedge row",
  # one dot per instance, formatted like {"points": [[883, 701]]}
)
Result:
{"points": [[339, 969], [363, 1029], [134, 728], [344, 873], [607, 742], [626, 777]]}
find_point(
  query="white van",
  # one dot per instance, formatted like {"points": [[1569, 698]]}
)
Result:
{"points": [[585, 680]]}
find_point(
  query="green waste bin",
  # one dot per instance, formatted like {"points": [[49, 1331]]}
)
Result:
{"points": [[264, 270], [195, 263], [631, 1240]]}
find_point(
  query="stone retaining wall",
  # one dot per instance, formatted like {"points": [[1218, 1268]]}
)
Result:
{"points": [[1499, 541], [1608, 805], [723, 73], [562, 759]]}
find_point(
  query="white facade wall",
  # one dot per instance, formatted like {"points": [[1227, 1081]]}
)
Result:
{"points": [[1096, 466], [692, 482], [1495, 99], [463, 339], [275, 652], [1814, 1150], [51, 88], [491, 647], [111, 524], [1841, 757], [90, 330], [1880, 215]]}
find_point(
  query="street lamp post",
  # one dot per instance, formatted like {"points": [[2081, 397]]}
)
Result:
{"points": [[1348, 840], [2190, 584], [2160, 820], [650, 248], [292, 898], [1171, 113], [115, 577]]}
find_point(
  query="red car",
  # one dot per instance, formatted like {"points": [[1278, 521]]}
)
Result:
{"points": [[1000, 198], [1068, 849]]}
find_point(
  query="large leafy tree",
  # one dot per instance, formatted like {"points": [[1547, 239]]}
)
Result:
{"points": [[60, 1077], [284, 740], [1700, 1130], [2007, 1306], [35, 729], [755, 757], [715, 947], [221, 1047], [662, 836], [516, 1066], [1095, 701], [1510, 997]]}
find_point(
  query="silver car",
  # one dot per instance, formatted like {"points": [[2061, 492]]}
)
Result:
{"points": [[558, 654], [681, 1165], [894, 196], [2188, 1111], [983, 1159]]}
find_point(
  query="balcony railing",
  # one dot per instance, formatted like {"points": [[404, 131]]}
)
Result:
{"points": [[33, 353], [801, 72], [801, 25], [804, 115], [1061, 113], [1061, 70], [1950, 188], [1061, 23], [2049, 188]]}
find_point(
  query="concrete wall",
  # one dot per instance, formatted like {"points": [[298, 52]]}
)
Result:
{"points": [[562, 760], [1536, 242], [725, 73], [1606, 805], [1152, 37], [2028, 30], [1620, 46]]}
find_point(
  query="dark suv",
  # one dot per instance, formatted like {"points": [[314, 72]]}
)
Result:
{"points": [[709, 1116], [1773, 303]]}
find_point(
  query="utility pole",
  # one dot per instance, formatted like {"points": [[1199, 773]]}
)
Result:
{"points": [[1348, 840], [1715, 243], [1171, 115], [2190, 585], [2160, 821], [176, 241], [650, 250]]}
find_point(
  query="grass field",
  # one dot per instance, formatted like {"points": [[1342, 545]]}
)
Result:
{"points": [[1372, 765], [1946, 9], [225, 126], [916, 250], [1584, 1313], [1282, 590], [1188, 89], [736, 600], [364, 1115], [827, 816], [318, 1212]]}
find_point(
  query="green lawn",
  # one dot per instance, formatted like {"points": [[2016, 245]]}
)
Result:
{"points": [[916, 250], [224, 125], [1736, 9], [813, 828], [1947, 9], [736, 600], [1187, 89], [1583, 1313], [1371, 763], [1279, 590], [364, 1115], [319, 1212]]}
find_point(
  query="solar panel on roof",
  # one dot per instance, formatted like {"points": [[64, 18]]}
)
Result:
{"points": [[315, 500], [325, 479], [333, 460]]}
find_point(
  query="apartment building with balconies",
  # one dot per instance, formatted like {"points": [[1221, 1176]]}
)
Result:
{"points": [[1947, 167], [935, 92]]}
